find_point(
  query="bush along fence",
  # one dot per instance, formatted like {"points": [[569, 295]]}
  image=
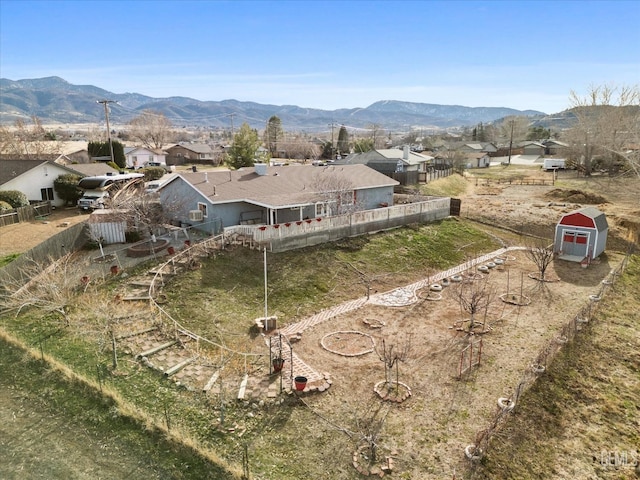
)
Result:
{"points": [[476, 450]]}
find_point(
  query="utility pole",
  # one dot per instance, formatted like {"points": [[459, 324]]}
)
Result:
{"points": [[232, 115], [106, 116], [332, 147], [511, 141]]}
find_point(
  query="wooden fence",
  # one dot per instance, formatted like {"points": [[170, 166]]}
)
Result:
{"points": [[514, 181], [572, 328], [25, 214]]}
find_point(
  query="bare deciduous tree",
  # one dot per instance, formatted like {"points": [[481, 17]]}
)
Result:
{"points": [[474, 296], [151, 128], [377, 135], [608, 124], [540, 254], [369, 428], [513, 129], [337, 191], [391, 355], [50, 289], [24, 141], [299, 147]]}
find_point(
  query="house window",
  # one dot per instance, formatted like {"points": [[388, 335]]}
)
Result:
{"points": [[46, 194], [203, 155], [321, 209], [203, 208]]}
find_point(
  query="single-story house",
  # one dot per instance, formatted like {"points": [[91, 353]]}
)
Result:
{"points": [[185, 153], [554, 147], [266, 195], [581, 235], [392, 162], [485, 147], [138, 157], [477, 160], [532, 148], [35, 178]]}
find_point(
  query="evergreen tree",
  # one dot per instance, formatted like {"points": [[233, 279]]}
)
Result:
{"points": [[327, 150], [245, 145], [102, 149], [482, 137], [538, 133], [343, 141], [272, 134]]}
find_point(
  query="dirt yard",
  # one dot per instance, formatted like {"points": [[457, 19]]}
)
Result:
{"points": [[426, 434], [20, 237], [536, 209], [452, 411]]}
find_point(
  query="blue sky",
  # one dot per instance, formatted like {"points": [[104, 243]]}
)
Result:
{"points": [[329, 54]]}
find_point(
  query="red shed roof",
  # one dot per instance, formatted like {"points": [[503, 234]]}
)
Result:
{"points": [[589, 217]]}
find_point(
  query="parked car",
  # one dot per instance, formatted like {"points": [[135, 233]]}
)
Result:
{"points": [[167, 168], [318, 163]]}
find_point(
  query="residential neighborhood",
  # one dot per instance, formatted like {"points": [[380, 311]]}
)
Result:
{"points": [[232, 283]]}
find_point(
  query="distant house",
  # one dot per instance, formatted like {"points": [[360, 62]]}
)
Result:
{"points": [[35, 178], [403, 165], [581, 235], [138, 157], [554, 147], [267, 195], [479, 147], [73, 152], [477, 160], [532, 148], [184, 153]]}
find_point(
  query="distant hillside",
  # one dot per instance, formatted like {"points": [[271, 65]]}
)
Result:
{"points": [[55, 100]]}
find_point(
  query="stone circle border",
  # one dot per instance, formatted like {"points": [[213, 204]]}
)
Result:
{"points": [[377, 388], [373, 323], [523, 299], [364, 352], [431, 296]]}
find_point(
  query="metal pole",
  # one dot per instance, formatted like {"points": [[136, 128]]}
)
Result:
{"points": [[265, 284]]}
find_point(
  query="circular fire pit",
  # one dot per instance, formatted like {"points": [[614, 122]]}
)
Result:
{"points": [[147, 248]]}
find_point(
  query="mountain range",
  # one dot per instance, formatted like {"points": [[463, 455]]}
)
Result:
{"points": [[55, 101]]}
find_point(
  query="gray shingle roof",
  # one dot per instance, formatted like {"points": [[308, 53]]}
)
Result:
{"points": [[283, 186]]}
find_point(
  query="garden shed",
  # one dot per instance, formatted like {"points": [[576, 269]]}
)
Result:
{"points": [[581, 235]]}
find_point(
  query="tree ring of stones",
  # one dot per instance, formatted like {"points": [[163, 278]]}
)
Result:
{"points": [[345, 353]]}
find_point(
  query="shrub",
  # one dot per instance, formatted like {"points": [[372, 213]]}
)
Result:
{"points": [[132, 236], [4, 206], [14, 198], [152, 173], [66, 186]]}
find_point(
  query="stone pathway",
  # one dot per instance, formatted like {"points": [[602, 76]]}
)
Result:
{"points": [[180, 361]]}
